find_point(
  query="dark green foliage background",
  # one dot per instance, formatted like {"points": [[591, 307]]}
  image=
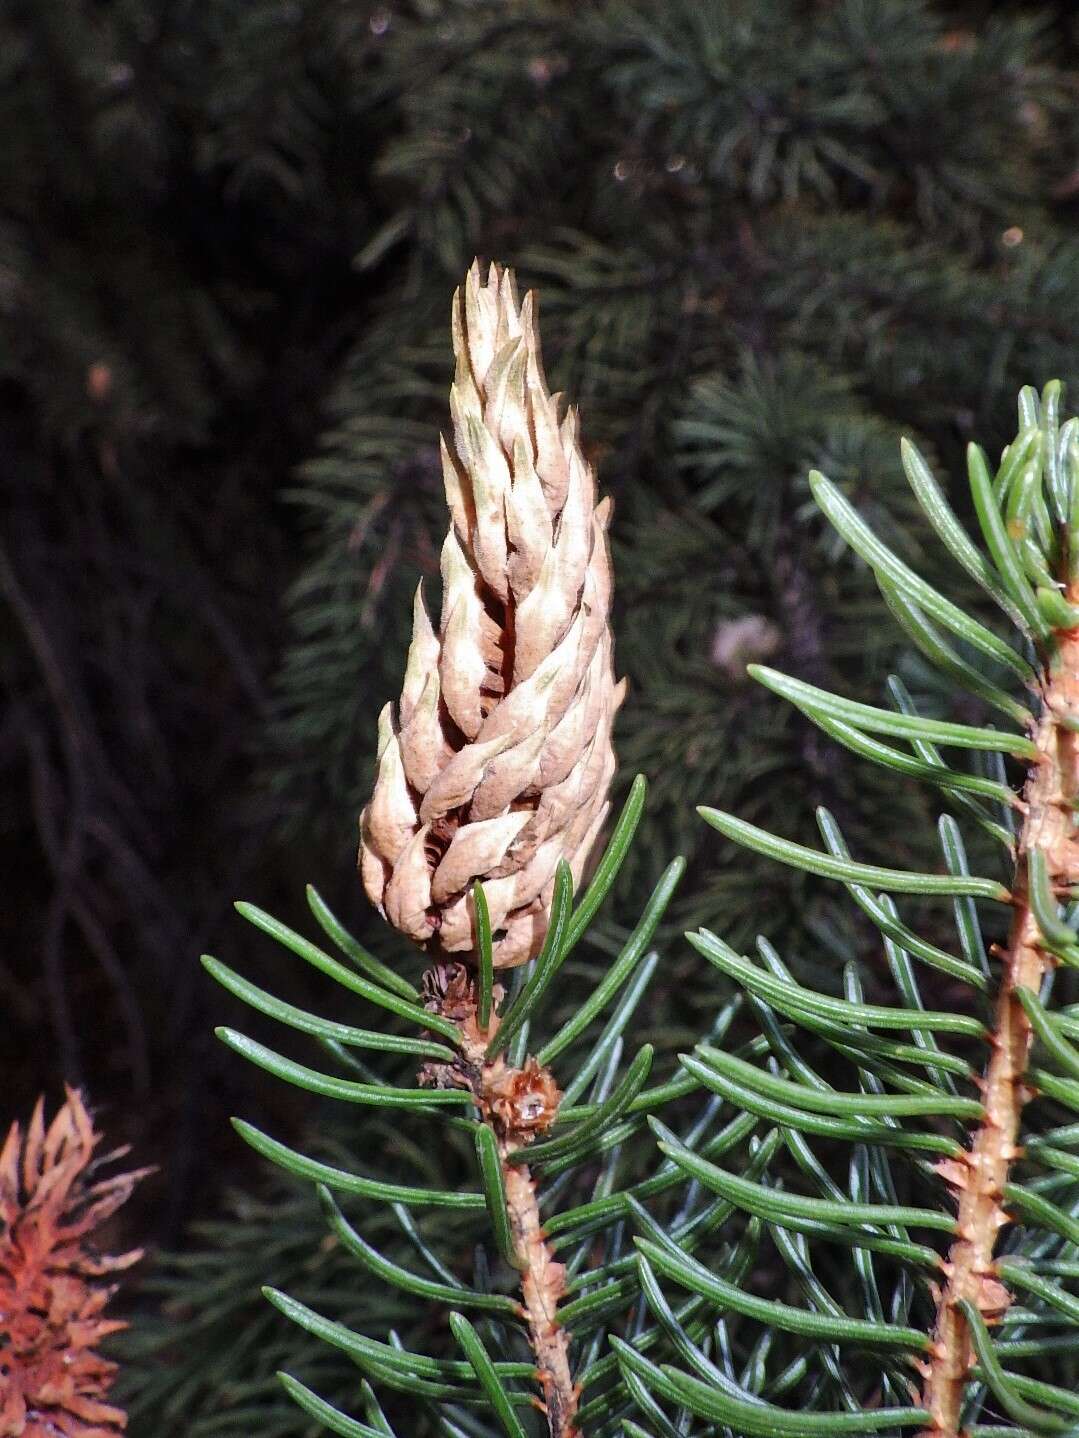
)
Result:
{"points": [[767, 235]]}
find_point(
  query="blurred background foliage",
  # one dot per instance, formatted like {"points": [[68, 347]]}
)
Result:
{"points": [[767, 234]]}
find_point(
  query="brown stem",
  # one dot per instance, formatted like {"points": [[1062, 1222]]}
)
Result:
{"points": [[517, 1104], [980, 1177], [542, 1283]]}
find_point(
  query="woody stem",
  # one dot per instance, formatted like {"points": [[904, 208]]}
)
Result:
{"points": [[1052, 783], [515, 1104], [541, 1286]]}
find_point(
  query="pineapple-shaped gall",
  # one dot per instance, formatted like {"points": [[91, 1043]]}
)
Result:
{"points": [[498, 760]]}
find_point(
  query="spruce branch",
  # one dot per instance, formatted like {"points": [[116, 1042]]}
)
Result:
{"points": [[490, 793], [1047, 845], [1015, 1187], [514, 1100], [516, 1104]]}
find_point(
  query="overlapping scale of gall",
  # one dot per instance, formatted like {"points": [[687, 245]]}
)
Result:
{"points": [[498, 759]]}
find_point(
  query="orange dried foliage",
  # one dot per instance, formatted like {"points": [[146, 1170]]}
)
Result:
{"points": [[53, 1384]]}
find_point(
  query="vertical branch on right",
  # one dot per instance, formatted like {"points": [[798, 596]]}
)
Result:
{"points": [[1047, 856]]}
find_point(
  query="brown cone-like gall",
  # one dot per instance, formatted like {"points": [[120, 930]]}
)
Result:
{"points": [[498, 760], [54, 1282]]}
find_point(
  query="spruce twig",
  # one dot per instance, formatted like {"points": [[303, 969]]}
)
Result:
{"points": [[1048, 836], [516, 1104]]}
